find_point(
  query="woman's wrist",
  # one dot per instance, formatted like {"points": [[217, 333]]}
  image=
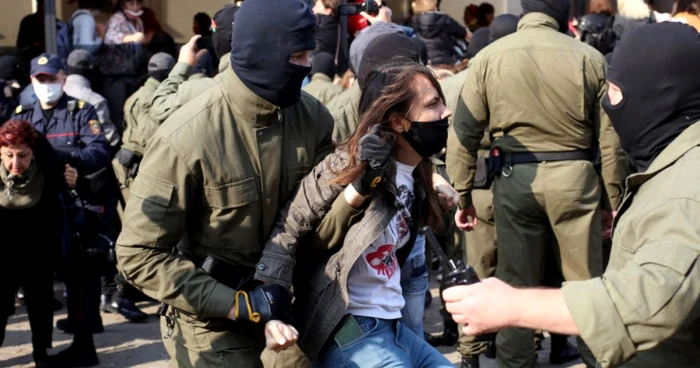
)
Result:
{"points": [[354, 199]]}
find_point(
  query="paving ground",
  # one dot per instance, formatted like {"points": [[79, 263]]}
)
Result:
{"points": [[124, 344]]}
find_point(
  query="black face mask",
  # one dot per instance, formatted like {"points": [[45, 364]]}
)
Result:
{"points": [[265, 34], [659, 99], [428, 138]]}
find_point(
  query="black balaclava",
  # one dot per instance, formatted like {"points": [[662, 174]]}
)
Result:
{"points": [[422, 49], [502, 26], [480, 39], [265, 33], [656, 68], [385, 49], [557, 9], [323, 63], [9, 67], [223, 21]]}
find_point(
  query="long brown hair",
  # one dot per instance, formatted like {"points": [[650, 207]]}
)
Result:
{"points": [[390, 91]]}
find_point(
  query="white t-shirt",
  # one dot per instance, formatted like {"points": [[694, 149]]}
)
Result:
{"points": [[374, 282]]}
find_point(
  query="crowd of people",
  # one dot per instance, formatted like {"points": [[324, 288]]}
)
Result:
{"points": [[273, 190]]}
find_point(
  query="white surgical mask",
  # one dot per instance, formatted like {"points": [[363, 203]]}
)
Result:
{"points": [[48, 93], [133, 14]]}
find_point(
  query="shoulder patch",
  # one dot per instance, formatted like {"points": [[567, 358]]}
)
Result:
{"points": [[95, 127], [81, 104]]}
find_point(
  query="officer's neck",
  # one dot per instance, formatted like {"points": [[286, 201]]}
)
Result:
{"points": [[48, 106]]}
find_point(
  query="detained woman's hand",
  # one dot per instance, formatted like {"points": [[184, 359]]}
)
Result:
{"points": [[447, 195], [375, 151], [280, 336], [71, 176]]}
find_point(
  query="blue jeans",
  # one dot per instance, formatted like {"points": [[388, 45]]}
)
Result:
{"points": [[414, 283], [384, 343]]}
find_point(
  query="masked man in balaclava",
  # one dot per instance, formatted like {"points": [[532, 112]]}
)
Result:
{"points": [[211, 183], [643, 311], [540, 91]]}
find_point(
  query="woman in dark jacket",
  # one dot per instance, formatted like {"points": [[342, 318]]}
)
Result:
{"points": [[362, 208], [440, 33], [31, 177]]}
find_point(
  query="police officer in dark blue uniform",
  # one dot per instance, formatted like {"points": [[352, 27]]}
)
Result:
{"points": [[74, 131]]}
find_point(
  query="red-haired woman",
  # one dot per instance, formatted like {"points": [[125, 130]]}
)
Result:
{"points": [[31, 176]]}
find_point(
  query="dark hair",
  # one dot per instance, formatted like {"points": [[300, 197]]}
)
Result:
{"points": [[390, 91], [18, 132], [92, 4], [688, 6], [119, 6], [204, 22], [484, 10], [604, 7]]}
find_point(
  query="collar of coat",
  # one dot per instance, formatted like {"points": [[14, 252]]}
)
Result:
{"points": [[537, 20], [689, 139], [78, 81], [247, 104], [321, 77], [152, 83]]}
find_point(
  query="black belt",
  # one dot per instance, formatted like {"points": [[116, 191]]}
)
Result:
{"points": [[501, 163], [515, 158]]}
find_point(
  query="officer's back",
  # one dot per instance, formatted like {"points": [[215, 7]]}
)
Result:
{"points": [[543, 88], [139, 127]]}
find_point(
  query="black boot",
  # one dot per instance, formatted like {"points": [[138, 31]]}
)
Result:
{"points": [[67, 327], [449, 336], [81, 353], [470, 361], [562, 351], [126, 308], [41, 358]]}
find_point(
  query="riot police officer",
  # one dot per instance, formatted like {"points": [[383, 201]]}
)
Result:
{"points": [[74, 131], [211, 183]]}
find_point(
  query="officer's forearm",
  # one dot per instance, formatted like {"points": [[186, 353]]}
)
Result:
{"points": [[174, 280], [543, 309]]}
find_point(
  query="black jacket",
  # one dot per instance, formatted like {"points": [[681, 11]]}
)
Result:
{"points": [[438, 31], [328, 40], [624, 25]]}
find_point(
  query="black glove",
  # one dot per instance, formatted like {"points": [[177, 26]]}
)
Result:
{"points": [[265, 303], [126, 157], [375, 151]]}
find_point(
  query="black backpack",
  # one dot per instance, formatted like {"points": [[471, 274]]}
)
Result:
{"points": [[597, 31]]}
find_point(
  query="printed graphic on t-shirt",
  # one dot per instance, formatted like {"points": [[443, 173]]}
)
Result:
{"points": [[404, 201], [383, 260], [374, 282]]}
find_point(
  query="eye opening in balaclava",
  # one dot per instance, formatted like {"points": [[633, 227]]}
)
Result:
{"points": [[265, 33], [653, 66], [557, 9]]}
